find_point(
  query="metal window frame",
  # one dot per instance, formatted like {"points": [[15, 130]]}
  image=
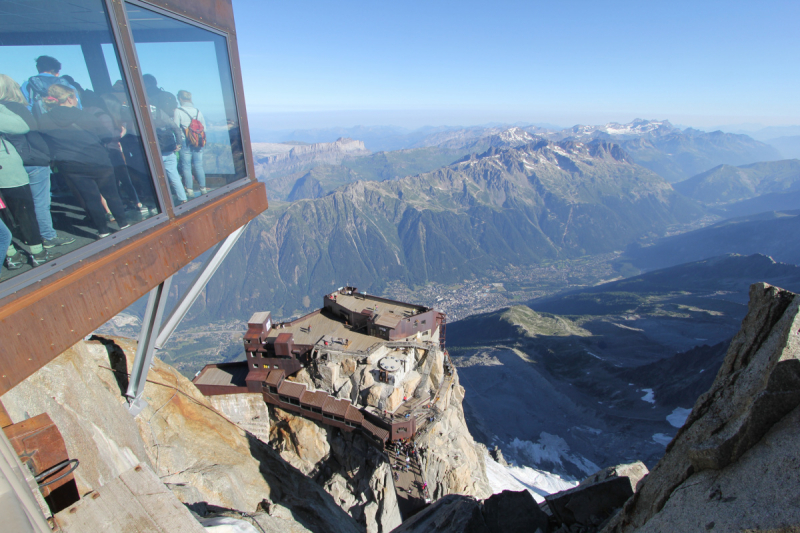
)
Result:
{"points": [[200, 200], [125, 49]]}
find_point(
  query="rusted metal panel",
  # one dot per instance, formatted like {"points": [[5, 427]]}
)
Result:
{"points": [[215, 13], [60, 310], [275, 378], [217, 390], [40, 445], [284, 344], [292, 390]]}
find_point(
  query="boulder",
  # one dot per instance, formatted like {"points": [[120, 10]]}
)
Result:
{"points": [[302, 442], [511, 512], [394, 400], [410, 383], [740, 443], [345, 390], [635, 472], [247, 410], [348, 367], [591, 504], [374, 395], [507, 512]]}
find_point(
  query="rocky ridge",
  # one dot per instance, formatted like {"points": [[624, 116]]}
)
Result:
{"points": [[274, 159], [519, 205]]}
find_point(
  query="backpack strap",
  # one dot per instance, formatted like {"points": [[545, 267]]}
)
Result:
{"points": [[190, 116]]}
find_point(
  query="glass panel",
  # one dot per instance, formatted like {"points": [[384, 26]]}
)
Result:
{"points": [[187, 76], [72, 167]]}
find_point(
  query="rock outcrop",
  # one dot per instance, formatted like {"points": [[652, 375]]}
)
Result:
{"points": [[597, 497], [507, 512], [355, 474], [741, 442], [451, 459], [205, 459], [352, 471]]}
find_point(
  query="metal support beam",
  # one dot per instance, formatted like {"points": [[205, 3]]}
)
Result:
{"points": [[200, 281], [147, 339]]}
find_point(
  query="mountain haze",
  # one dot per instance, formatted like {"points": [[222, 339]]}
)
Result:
{"points": [[520, 205], [672, 153], [725, 183]]}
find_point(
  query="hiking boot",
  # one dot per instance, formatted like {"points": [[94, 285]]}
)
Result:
{"points": [[15, 261], [40, 258], [57, 241]]}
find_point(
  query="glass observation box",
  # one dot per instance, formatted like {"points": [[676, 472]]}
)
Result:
{"points": [[124, 154], [86, 158]]}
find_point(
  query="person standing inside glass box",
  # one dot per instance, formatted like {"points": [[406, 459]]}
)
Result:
{"points": [[35, 88], [16, 192], [77, 142], [192, 125], [35, 155]]}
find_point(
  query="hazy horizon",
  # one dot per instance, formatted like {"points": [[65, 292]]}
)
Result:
{"points": [[704, 65]]}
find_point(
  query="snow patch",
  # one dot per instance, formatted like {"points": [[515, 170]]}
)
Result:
{"points": [[662, 439], [551, 449], [649, 396], [678, 417], [538, 482]]}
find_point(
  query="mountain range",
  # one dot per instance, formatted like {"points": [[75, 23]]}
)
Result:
{"points": [[726, 184], [542, 200]]}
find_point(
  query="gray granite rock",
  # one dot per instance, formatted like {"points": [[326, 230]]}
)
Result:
{"points": [[727, 450]]}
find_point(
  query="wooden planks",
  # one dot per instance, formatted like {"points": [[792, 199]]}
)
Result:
{"points": [[136, 502]]}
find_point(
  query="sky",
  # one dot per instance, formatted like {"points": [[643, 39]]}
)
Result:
{"points": [[439, 62]]}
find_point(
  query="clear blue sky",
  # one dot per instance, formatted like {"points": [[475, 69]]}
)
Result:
{"points": [[700, 63]]}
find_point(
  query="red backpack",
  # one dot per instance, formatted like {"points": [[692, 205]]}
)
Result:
{"points": [[195, 132]]}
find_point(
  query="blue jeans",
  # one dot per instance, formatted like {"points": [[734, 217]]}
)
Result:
{"points": [[5, 240], [191, 157], [171, 169], [40, 190]]}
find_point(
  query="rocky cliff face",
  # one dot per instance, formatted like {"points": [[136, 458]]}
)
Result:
{"points": [[733, 465], [352, 471], [207, 460], [273, 160]]}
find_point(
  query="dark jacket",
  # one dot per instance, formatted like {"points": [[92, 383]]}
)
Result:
{"points": [[31, 146], [76, 138]]}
